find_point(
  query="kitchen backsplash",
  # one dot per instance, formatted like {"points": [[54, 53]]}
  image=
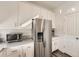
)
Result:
{"points": [[26, 33]]}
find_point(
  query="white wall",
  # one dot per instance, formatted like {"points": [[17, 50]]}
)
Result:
{"points": [[67, 22], [8, 12]]}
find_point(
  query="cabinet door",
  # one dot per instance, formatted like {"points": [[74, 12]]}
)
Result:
{"points": [[32, 51], [23, 50], [75, 48], [54, 44], [28, 50], [12, 52], [70, 46], [20, 51]]}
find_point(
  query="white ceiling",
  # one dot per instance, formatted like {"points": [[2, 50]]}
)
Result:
{"points": [[52, 5]]}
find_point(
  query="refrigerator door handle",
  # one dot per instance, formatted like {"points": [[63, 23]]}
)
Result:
{"points": [[44, 43]]}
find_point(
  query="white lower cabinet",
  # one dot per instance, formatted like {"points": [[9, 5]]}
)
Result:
{"points": [[54, 45], [69, 45], [30, 51], [26, 50], [13, 52]]}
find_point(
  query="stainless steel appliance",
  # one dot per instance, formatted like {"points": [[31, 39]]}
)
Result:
{"points": [[42, 36], [14, 37]]}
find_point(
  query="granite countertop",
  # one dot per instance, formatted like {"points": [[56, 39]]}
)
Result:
{"points": [[14, 44], [19, 43]]}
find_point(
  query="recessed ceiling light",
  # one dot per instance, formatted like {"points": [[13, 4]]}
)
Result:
{"points": [[60, 11], [73, 9]]}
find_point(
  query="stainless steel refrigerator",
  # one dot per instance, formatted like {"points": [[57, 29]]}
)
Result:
{"points": [[42, 36]]}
